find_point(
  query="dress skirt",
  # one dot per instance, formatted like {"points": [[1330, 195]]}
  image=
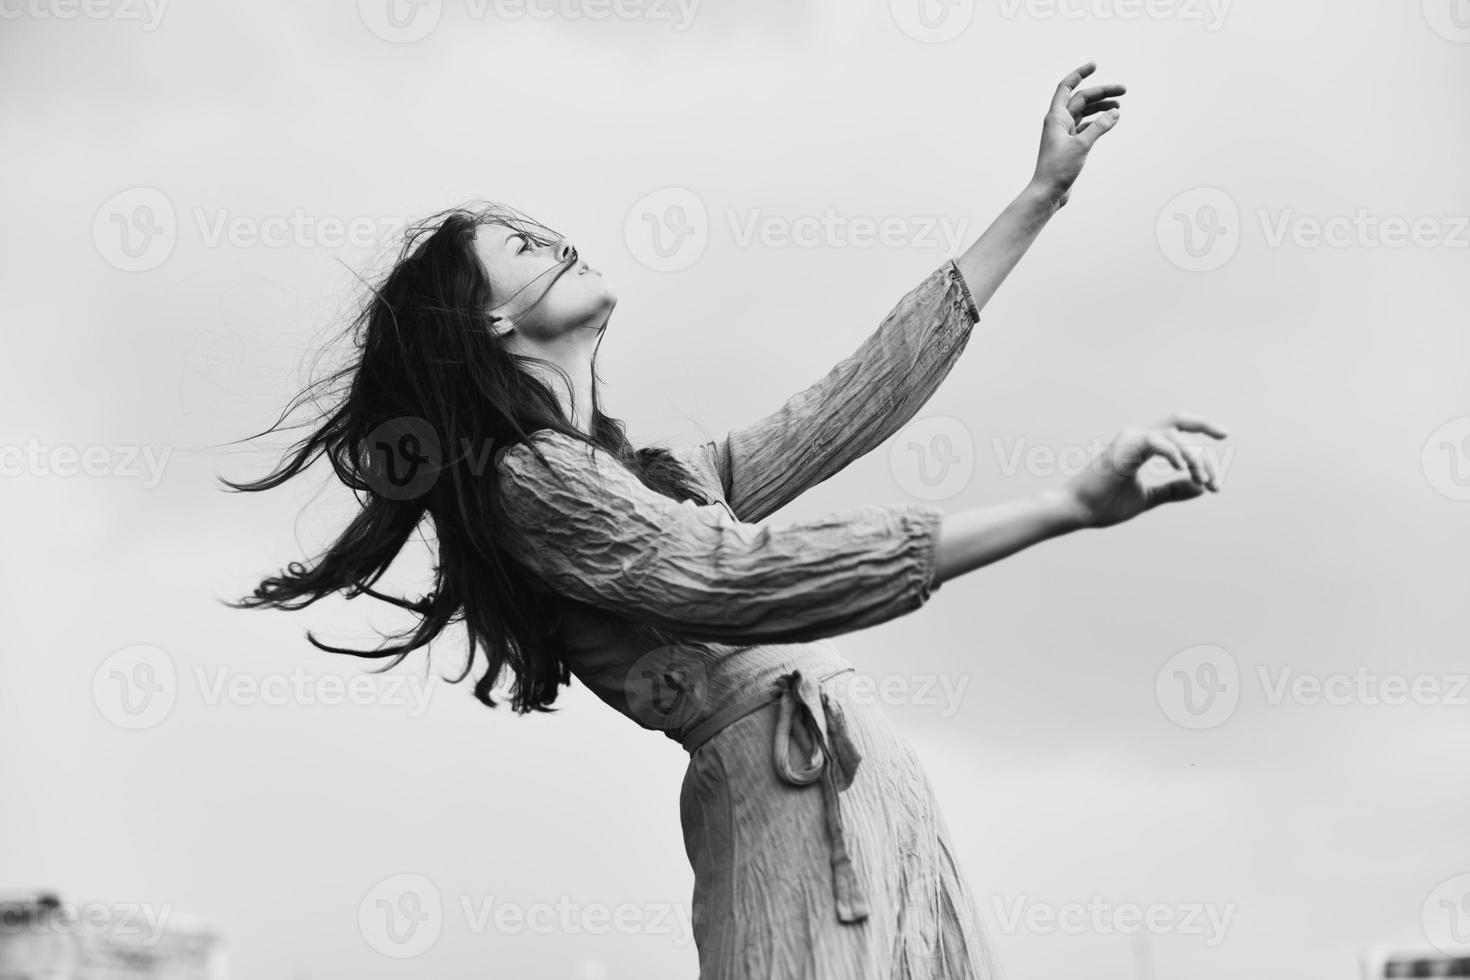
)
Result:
{"points": [[764, 904]]}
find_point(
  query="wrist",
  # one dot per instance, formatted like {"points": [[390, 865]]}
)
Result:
{"points": [[1043, 195], [1064, 512]]}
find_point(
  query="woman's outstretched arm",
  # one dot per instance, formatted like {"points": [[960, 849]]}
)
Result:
{"points": [[591, 531], [1108, 492], [876, 390], [1074, 122]]}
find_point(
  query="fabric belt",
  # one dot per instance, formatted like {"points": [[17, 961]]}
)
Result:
{"points": [[833, 760]]}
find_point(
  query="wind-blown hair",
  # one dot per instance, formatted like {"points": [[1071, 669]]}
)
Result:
{"points": [[411, 425]]}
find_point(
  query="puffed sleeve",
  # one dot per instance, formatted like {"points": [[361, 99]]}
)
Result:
{"points": [[857, 405], [590, 530]]}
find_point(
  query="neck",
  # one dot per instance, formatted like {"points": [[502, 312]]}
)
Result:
{"points": [[572, 353]]}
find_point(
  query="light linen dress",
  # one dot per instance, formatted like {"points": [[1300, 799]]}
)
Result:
{"points": [[817, 846]]}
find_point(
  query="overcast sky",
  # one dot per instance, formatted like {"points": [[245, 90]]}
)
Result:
{"points": [[1274, 236]]}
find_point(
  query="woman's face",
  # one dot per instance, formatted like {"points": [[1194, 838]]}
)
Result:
{"points": [[542, 291]]}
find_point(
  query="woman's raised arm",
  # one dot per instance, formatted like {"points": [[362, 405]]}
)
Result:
{"points": [[877, 389]]}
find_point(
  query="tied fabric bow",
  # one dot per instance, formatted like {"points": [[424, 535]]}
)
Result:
{"points": [[832, 758]]}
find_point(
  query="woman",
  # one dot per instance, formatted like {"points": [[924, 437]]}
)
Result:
{"points": [[815, 840]]}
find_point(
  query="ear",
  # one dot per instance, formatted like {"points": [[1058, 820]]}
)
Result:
{"points": [[501, 325]]}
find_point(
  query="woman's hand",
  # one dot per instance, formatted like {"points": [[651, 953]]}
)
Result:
{"points": [[1075, 121], [1110, 491]]}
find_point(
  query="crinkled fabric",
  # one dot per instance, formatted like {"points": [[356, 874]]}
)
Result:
{"points": [[752, 608]]}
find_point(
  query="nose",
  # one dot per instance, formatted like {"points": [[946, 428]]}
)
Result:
{"points": [[565, 250]]}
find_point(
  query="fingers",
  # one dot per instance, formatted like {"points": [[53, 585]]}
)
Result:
{"points": [[1134, 447], [1162, 445], [1064, 91], [1202, 468], [1172, 492], [1185, 422], [1095, 107], [1096, 93], [1099, 124]]}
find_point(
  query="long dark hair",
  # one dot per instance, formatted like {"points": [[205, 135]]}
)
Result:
{"points": [[411, 425]]}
